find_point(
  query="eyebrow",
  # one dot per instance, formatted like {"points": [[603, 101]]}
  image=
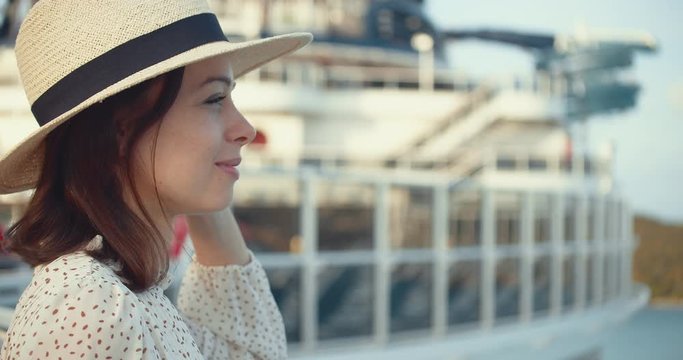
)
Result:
{"points": [[224, 79]]}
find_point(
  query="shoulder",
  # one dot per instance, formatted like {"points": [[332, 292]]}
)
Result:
{"points": [[75, 286], [72, 273], [79, 302]]}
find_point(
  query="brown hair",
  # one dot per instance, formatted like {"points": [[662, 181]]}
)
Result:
{"points": [[87, 167]]}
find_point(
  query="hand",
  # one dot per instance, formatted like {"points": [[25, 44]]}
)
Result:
{"points": [[217, 239]]}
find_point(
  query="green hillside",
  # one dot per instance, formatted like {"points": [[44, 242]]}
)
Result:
{"points": [[658, 260]]}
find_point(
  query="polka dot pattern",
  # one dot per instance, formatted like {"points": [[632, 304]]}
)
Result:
{"points": [[234, 301], [77, 308]]}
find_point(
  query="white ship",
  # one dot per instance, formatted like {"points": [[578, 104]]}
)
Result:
{"points": [[405, 210]]}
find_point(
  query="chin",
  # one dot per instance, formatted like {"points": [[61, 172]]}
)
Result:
{"points": [[207, 209], [203, 203], [217, 204]]}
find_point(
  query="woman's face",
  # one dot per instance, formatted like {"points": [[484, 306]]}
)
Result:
{"points": [[198, 144]]}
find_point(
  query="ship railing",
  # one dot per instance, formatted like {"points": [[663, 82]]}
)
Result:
{"points": [[465, 161], [522, 160], [400, 78], [440, 255]]}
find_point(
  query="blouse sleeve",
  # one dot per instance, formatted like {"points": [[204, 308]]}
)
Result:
{"points": [[92, 321], [231, 313]]}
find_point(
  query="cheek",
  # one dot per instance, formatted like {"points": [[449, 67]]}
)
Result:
{"points": [[186, 151], [191, 129]]}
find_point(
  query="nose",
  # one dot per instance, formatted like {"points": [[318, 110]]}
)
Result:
{"points": [[240, 131]]}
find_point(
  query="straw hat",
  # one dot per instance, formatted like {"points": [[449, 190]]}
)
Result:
{"points": [[74, 53]]}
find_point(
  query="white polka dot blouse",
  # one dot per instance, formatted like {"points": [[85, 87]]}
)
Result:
{"points": [[77, 308]]}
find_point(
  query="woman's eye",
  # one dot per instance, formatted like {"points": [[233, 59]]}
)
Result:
{"points": [[215, 100]]}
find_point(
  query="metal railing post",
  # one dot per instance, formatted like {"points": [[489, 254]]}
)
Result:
{"points": [[616, 248], [558, 253], [599, 250], [488, 232], [581, 231], [309, 230], [382, 245], [526, 237], [440, 247]]}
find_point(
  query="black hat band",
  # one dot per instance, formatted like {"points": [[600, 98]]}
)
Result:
{"points": [[125, 60]]}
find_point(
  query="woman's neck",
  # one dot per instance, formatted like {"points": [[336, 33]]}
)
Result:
{"points": [[156, 217]]}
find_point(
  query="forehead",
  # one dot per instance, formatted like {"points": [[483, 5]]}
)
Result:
{"points": [[217, 66]]}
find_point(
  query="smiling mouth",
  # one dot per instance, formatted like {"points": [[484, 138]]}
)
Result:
{"points": [[230, 167]]}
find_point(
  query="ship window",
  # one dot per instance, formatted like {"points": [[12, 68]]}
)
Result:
{"points": [[385, 22], [464, 289], [465, 221], [411, 219], [537, 164], [506, 163], [590, 281], [345, 216], [404, 26], [591, 221], [507, 218], [345, 301], [610, 274], [285, 284], [411, 297], [542, 218], [507, 229], [542, 285], [507, 288], [569, 283], [270, 225], [605, 277], [408, 85], [311, 162]]}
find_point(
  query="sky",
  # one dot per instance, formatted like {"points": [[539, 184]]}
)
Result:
{"points": [[648, 139]]}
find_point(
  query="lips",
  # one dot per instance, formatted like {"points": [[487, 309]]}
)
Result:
{"points": [[230, 166]]}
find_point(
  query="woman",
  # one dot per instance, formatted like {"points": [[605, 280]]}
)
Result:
{"points": [[137, 127]]}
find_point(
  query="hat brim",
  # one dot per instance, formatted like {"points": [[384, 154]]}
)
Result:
{"points": [[21, 166]]}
